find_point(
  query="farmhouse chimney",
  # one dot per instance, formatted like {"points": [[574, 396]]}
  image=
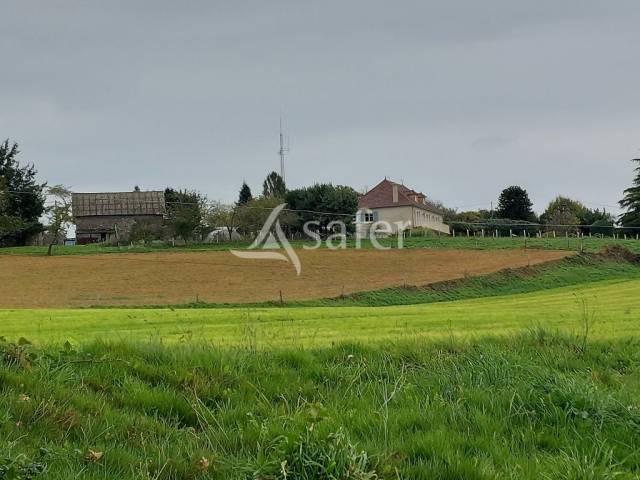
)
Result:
{"points": [[395, 194]]}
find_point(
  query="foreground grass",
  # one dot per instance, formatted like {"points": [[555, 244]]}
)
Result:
{"points": [[532, 406], [612, 305], [487, 243]]}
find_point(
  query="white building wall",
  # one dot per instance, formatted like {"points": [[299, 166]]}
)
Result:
{"points": [[409, 215]]}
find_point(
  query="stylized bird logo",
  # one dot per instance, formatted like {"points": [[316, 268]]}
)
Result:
{"points": [[267, 240]]}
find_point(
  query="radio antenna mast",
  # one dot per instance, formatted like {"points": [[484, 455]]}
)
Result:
{"points": [[283, 151]]}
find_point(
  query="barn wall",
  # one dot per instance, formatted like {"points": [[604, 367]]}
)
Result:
{"points": [[104, 227]]}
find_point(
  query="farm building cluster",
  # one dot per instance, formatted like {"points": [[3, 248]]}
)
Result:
{"points": [[114, 217]]}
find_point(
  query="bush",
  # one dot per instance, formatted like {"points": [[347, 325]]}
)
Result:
{"points": [[145, 232], [618, 252]]}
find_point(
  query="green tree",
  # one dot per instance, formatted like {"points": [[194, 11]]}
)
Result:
{"points": [[563, 205], [631, 201], [251, 217], [592, 216], [185, 210], [323, 203], [21, 198], [220, 214], [274, 186], [245, 194], [514, 204], [563, 212], [59, 214]]}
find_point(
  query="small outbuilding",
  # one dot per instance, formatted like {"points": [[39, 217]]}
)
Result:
{"points": [[111, 217]]}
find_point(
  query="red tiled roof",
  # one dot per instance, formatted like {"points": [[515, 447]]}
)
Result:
{"points": [[381, 196]]}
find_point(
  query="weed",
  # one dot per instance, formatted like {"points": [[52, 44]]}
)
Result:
{"points": [[21, 467], [587, 319]]}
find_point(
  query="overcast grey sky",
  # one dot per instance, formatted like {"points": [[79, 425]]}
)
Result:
{"points": [[457, 98]]}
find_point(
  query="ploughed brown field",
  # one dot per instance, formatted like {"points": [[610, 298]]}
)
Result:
{"points": [[176, 278]]}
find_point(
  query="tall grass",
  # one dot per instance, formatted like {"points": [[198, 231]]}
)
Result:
{"points": [[533, 406]]}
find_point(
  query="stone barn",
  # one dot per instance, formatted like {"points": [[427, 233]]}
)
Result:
{"points": [[112, 217]]}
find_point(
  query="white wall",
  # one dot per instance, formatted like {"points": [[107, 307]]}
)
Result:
{"points": [[415, 216]]}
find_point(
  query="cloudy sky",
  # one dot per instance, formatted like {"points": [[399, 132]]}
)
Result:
{"points": [[457, 98]]}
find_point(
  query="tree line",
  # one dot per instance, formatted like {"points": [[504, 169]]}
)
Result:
{"points": [[514, 213], [191, 216]]}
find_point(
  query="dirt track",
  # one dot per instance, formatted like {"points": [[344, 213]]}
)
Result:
{"points": [[174, 278]]}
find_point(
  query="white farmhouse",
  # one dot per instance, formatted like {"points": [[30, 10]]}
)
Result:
{"points": [[397, 204]]}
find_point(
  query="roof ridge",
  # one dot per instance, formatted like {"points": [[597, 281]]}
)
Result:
{"points": [[118, 193], [381, 196]]}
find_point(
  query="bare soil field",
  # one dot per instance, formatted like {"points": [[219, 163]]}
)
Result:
{"points": [[175, 278]]}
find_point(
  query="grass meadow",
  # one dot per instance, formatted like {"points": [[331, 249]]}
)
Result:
{"points": [[529, 373], [532, 406], [571, 243], [613, 304]]}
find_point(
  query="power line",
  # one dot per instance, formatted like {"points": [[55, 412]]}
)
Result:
{"points": [[481, 204], [600, 204], [27, 192], [24, 192]]}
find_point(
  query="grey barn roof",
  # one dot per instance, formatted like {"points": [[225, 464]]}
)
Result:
{"points": [[118, 203]]}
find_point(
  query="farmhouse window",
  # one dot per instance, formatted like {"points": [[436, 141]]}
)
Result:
{"points": [[368, 217]]}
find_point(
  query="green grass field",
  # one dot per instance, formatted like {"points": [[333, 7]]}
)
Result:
{"points": [[531, 373], [613, 303], [459, 242], [535, 406]]}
